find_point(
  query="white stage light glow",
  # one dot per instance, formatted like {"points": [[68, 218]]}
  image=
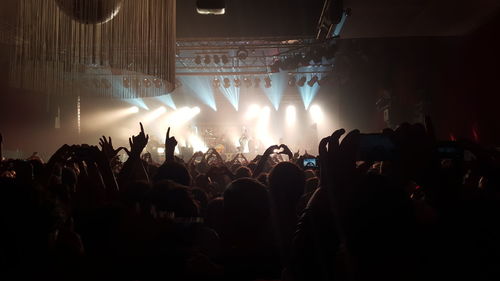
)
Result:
{"points": [[316, 114], [160, 150], [150, 117], [252, 112], [133, 109], [197, 143], [291, 115]]}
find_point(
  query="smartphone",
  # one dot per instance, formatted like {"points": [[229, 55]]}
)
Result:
{"points": [[376, 147], [310, 163]]}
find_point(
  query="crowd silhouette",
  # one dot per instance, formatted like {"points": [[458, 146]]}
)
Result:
{"points": [[84, 215]]}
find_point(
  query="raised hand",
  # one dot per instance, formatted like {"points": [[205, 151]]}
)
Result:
{"points": [[138, 143], [270, 150], [107, 147], [338, 160], [170, 144], [287, 151]]}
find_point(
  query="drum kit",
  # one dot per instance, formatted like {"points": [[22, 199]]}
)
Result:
{"points": [[214, 140]]}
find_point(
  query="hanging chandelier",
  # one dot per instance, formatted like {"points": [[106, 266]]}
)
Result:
{"points": [[62, 45], [90, 11]]}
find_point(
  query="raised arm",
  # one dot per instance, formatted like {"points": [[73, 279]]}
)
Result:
{"points": [[263, 160], [133, 169]]}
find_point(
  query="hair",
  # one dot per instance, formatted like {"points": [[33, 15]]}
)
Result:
{"points": [[173, 171], [243, 172], [167, 196], [246, 204], [286, 183]]}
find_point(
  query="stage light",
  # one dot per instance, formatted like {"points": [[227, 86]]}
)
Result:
{"points": [[242, 53], [167, 100], [197, 60], [201, 87], [197, 143], [150, 117], [257, 82], [316, 114], [160, 150], [237, 83], [133, 109], [252, 112], [313, 81], [275, 88], [262, 126], [292, 81], [182, 115], [224, 59], [248, 82], [211, 7], [309, 93], [216, 83], [216, 59], [275, 67], [291, 115], [207, 59], [137, 102], [195, 111], [227, 83], [266, 110], [302, 81], [268, 82]]}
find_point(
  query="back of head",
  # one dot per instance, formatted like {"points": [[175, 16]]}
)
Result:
{"points": [[246, 204], [167, 196], [380, 219], [286, 183], [173, 171], [215, 214], [202, 181], [201, 198], [243, 172]]}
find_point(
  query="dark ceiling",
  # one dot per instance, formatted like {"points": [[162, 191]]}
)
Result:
{"points": [[382, 18], [370, 18]]}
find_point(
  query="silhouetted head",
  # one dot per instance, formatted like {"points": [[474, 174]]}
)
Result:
{"points": [[173, 171], [286, 183], [202, 181], [246, 204], [243, 172], [168, 196]]}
